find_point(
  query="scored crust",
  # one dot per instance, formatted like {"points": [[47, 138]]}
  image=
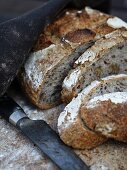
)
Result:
{"points": [[71, 21], [107, 115]]}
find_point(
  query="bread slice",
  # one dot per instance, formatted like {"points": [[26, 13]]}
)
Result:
{"points": [[59, 46], [106, 57], [72, 128], [107, 115]]}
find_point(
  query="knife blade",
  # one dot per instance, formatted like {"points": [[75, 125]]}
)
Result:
{"points": [[40, 133]]}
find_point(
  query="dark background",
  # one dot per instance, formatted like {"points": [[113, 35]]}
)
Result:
{"points": [[119, 8], [13, 8]]}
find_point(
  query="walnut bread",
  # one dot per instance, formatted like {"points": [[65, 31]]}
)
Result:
{"points": [[58, 47]]}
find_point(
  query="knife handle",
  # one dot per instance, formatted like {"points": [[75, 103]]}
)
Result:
{"points": [[10, 110]]}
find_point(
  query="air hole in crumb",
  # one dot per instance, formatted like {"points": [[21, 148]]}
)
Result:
{"points": [[113, 56], [121, 47]]}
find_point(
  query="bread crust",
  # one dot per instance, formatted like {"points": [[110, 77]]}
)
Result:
{"points": [[78, 136], [73, 20], [108, 119]]}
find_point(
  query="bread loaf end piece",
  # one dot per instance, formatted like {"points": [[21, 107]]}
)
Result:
{"points": [[79, 136], [107, 115]]}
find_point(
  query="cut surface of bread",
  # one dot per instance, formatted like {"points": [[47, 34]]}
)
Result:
{"points": [[59, 47], [72, 128], [106, 57], [107, 114]]}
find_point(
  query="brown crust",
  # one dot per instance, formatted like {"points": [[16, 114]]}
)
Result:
{"points": [[80, 36], [103, 29], [73, 20], [68, 23], [43, 42], [32, 94], [108, 119], [79, 137], [66, 97]]}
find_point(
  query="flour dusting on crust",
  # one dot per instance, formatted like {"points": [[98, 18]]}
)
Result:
{"points": [[116, 23], [116, 98], [72, 109], [67, 83], [33, 71]]}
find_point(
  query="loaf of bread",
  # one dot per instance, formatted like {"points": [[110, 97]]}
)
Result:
{"points": [[107, 115], [106, 57], [59, 46], [73, 130]]}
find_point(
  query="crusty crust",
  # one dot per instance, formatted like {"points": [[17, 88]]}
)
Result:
{"points": [[107, 118], [73, 20], [70, 21], [79, 36], [67, 97], [78, 136]]}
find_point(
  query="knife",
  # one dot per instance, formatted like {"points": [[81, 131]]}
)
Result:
{"points": [[40, 133]]}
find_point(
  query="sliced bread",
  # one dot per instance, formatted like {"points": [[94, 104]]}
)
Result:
{"points": [[107, 115], [72, 128], [59, 46], [106, 57]]}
